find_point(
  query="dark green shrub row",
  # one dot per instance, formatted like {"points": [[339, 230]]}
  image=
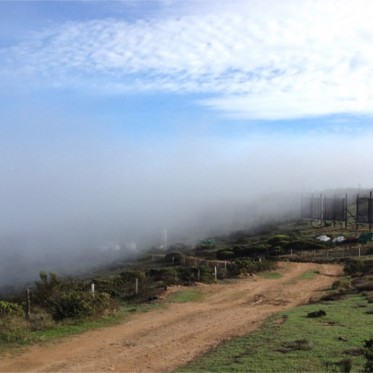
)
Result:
{"points": [[246, 266], [357, 267], [80, 305], [67, 298], [10, 309]]}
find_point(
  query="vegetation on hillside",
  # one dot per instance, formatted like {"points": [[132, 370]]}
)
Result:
{"points": [[59, 302]]}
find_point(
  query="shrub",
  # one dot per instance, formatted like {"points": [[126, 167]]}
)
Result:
{"points": [[80, 305], [174, 258], [354, 267], [206, 274], [341, 284], [337, 295], [187, 275], [297, 345], [279, 240], [225, 254], [251, 251], [130, 275], [169, 275], [368, 353], [319, 313], [13, 329], [346, 365], [10, 309]]}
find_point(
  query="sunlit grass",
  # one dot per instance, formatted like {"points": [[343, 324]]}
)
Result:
{"points": [[270, 275], [185, 296], [71, 327], [288, 340]]}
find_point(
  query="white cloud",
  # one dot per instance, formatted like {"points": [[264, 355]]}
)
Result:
{"points": [[267, 59]]}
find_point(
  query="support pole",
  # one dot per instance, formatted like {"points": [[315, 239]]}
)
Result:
{"points": [[28, 305]]}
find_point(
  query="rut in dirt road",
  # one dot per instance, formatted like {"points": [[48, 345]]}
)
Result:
{"points": [[163, 339]]}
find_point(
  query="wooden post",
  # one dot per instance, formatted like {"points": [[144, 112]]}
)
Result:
{"points": [[370, 211], [136, 286], [216, 273], [225, 264], [93, 288], [199, 274], [359, 251], [291, 253], [28, 305]]}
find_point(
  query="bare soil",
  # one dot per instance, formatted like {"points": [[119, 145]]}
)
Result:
{"points": [[163, 339]]}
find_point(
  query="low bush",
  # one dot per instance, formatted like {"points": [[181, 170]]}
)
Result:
{"points": [[13, 328], [368, 353], [245, 266], [358, 267], [174, 258], [132, 275], [342, 284], [363, 284], [297, 345], [10, 309], [346, 365], [80, 305], [334, 296], [314, 314], [225, 254], [168, 275]]}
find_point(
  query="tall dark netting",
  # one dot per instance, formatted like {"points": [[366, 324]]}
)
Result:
{"points": [[311, 208], [306, 208], [335, 209], [364, 214]]}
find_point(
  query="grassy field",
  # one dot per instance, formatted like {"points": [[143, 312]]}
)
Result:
{"points": [[73, 327], [270, 275], [184, 296], [294, 342]]}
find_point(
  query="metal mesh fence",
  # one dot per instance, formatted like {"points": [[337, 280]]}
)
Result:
{"points": [[311, 208], [335, 209]]}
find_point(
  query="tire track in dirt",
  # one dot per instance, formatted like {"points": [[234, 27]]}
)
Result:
{"points": [[163, 339]]}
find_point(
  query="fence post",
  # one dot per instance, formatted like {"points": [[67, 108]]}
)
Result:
{"points": [[136, 286], [359, 251], [93, 288], [28, 305], [216, 273], [199, 274]]}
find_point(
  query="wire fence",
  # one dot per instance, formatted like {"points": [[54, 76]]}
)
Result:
{"points": [[331, 254]]}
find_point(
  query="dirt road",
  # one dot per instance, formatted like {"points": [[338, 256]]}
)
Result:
{"points": [[163, 339]]}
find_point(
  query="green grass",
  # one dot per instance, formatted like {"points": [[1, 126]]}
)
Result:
{"points": [[292, 342], [184, 296], [309, 275], [68, 328], [270, 275]]}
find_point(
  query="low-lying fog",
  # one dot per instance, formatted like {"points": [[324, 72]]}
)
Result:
{"points": [[64, 204]]}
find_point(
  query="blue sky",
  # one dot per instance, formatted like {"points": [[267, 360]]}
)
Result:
{"points": [[164, 103]]}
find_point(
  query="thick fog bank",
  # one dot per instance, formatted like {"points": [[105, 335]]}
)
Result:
{"points": [[70, 207]]}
